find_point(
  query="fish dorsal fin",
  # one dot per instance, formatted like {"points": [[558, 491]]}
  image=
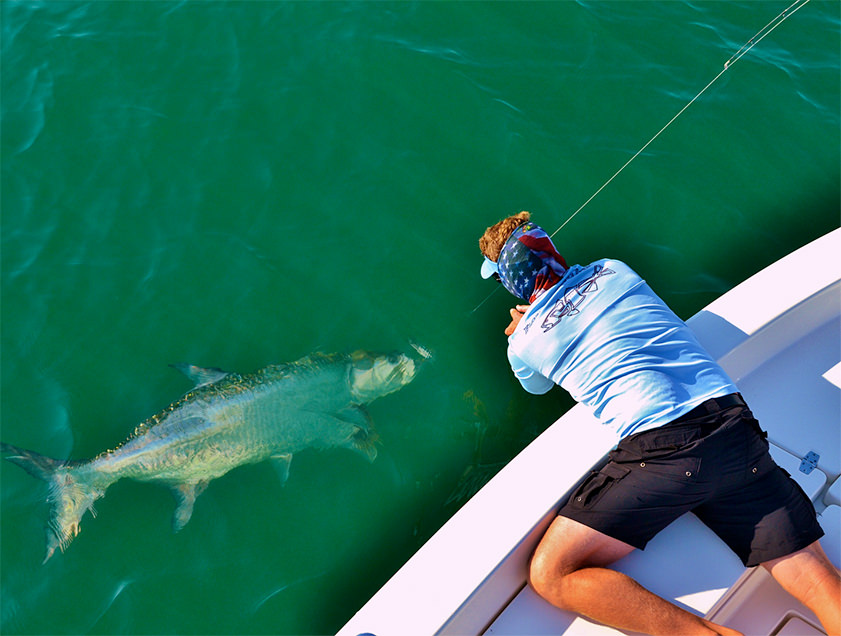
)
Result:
{"points": [[200, 375]]}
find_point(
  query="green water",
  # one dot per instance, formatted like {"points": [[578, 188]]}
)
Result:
{"points": [[239, 183]]}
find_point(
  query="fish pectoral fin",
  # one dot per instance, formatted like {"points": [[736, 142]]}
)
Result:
{"points": [[364, 436], [200, 375], [185, 495], [355, 414], [281, 463]]}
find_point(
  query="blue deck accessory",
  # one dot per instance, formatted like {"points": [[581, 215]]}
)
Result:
{"points": [[810, 463]]}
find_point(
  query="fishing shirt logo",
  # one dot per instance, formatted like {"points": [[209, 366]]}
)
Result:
{"points": [[568, 305]]}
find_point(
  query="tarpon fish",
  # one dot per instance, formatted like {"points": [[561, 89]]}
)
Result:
{"points": [[228, 420]]}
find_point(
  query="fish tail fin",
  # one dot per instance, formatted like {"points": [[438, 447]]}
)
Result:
{"points": [[36, 465], [69, 497]]}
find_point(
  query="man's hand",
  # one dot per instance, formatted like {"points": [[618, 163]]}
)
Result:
{"points": [[516, 314]]}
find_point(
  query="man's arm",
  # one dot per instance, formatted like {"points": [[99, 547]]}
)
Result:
{"points": [[531, 380]]}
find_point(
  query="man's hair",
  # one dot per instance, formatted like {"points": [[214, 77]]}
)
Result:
{"points": [[495, 236]]}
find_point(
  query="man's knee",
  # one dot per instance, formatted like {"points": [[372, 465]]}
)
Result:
{"points": [[567, 547], [546, 577], [807, 574], [551, 574]]}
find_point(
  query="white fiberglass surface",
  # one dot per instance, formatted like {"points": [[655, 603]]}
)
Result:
{"points": [[794, 401]]}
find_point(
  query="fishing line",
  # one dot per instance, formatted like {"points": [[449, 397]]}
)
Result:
{"points": [[756, 39], [487, 298], [746, 47]]}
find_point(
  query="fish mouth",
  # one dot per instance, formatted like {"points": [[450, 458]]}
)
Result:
{"points": [[423, 352]]}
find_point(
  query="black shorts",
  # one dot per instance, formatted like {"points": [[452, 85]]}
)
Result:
{"points": [[714, 462]]}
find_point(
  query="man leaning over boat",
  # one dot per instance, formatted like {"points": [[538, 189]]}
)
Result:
{"points": [[686, 440]]}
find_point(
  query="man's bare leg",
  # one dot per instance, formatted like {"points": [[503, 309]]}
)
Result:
{"points": [[569, 570], [809, 576]]}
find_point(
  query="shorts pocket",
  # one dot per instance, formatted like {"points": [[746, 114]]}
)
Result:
{"points": [[681, 470], [597, 484], [658, 444], [758, 457], [661, 445]]}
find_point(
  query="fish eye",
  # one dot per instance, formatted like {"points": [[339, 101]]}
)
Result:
{"points": [[393, 357]]}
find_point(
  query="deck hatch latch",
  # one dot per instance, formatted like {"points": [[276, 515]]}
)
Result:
{"points": [[810, 462]]}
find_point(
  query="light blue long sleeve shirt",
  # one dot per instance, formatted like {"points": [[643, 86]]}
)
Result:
{"points": [[605, 337]]}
